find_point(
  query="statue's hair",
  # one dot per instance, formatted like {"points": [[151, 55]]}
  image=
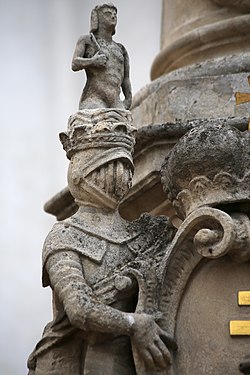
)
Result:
{"points": [[94, 16]]}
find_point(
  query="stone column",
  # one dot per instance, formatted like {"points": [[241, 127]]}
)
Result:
{"points": [[204, 60], [194, 31]]}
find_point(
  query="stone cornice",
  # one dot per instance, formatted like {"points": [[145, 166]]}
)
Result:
{"points": [[171, 132]]}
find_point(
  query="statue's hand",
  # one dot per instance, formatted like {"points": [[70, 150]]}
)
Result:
{"points": [[99, 60], [151, 342]]}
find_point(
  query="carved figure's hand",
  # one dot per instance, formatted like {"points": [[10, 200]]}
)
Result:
{"points": [[151, 342], [99, 60]]}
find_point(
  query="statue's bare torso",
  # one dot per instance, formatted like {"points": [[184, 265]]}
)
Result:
{"points": [[106, 63], [104, 84], [107, 68]]}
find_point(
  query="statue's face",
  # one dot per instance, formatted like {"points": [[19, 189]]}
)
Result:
{"points": [[107, 16], [105, 185]]}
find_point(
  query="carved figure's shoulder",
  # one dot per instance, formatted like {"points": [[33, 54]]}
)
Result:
{"points": [[61, 232], [84, 39], [63, 236], [67, 236]]}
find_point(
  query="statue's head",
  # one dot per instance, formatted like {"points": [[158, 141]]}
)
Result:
{"points": [[100, 148], [105, 12]]}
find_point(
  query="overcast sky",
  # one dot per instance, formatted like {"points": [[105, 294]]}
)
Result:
{"points": [[38, 94]]}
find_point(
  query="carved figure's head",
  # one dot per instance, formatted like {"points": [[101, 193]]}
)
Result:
{"points": [[99, 145], [209, 166], [105, 13]]}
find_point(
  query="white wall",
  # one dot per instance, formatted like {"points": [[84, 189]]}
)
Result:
{"points": [[38, 93]]}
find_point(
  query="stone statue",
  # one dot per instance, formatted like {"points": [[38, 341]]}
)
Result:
{"points": [[106, 63], [96, 264], [125, 292], [104, 271]]}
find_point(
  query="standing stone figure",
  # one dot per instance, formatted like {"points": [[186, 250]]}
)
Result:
{"points": [[105, 272], [106, 63]]}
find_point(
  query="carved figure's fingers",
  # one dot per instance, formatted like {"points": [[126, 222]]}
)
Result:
{"points": [[164, 350], [168, 340], [147, 358], [102, 56], [158, 356]]}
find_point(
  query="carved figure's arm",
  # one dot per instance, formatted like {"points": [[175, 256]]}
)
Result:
{"points": [[80, 62], [82, 307], [126, 84], [87, 313]]}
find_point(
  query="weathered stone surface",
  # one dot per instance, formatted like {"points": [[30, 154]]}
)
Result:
{"points": [[208, 304], [242, 5], [202, 91], [204, 61], [171, 269], [245, 365], [199, 297], [201, 30], [192, 183], [153, 143]]}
